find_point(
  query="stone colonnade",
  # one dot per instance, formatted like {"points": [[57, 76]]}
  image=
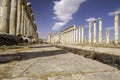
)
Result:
{"points": [[16, 18], [54, 38], [76, 35], [69, 35]]}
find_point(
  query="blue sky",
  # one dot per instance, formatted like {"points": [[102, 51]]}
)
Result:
{"points": [[56, 15]]}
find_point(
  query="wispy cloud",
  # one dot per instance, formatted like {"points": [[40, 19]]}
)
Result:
{"points": [[64, 10], [111, 28], [112, 13], [58, 25], [90, 19]]}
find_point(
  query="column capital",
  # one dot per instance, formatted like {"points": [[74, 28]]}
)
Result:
{"points": [[99, 18], [116, 13], [94, 21]]}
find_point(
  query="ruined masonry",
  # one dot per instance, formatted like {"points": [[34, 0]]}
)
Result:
{"points": [[76, 35], [16, 18]]}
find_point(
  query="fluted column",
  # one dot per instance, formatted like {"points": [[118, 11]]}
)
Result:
{"points": [[90, 32], [116, 27], [72, 35], [25, 23], [4, 19], [82, 40], [62, 38], [49, 37], [100, 30], [22, 20], [94, 37], [67, 37], [28, 27], [107, 36], [19, 8], [79, 34], [13, 17]]}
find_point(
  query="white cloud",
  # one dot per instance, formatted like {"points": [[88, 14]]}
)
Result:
{"points": [[64, 10], [112, 13], [111, 28], [90, 19], [58, 25]]}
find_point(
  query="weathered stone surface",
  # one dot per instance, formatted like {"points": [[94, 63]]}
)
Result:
{"points": [[110, 56], [89, 76], [50, 63], [23, 78]]}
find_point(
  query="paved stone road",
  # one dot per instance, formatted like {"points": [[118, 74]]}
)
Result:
{"points": [[114, 51], [43, 62]]}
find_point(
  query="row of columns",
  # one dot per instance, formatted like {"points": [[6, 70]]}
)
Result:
{"points": [[77, 36], [16, 18], [94, 31], [54, 38]]}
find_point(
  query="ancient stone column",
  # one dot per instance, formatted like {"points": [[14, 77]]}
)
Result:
{"points": [[107, 36], [82, 40], [63, 38], [25, 24], [4, 19], [74, 36], [79, 35], [94, 36], [19, 8], [13, 17], [22, 20], [70, 37], [28, 26], [100, 30], [49, 37], [116, 27], [67, 37], [90, 32]]}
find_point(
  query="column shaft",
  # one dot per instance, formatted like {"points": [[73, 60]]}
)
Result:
{"points": [[90, 32], [100, 30], [94, 37], [22, 20], [13, 17], [4, 19], [82, 40], [107, 36], [19, 10], [79, 34], [116, 27]]}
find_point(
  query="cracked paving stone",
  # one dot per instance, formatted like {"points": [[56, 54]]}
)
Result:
{"points": [[50, 63]]}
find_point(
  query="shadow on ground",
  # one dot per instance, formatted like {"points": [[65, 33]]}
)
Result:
{"points": [[6, 58], [40, 46]]}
